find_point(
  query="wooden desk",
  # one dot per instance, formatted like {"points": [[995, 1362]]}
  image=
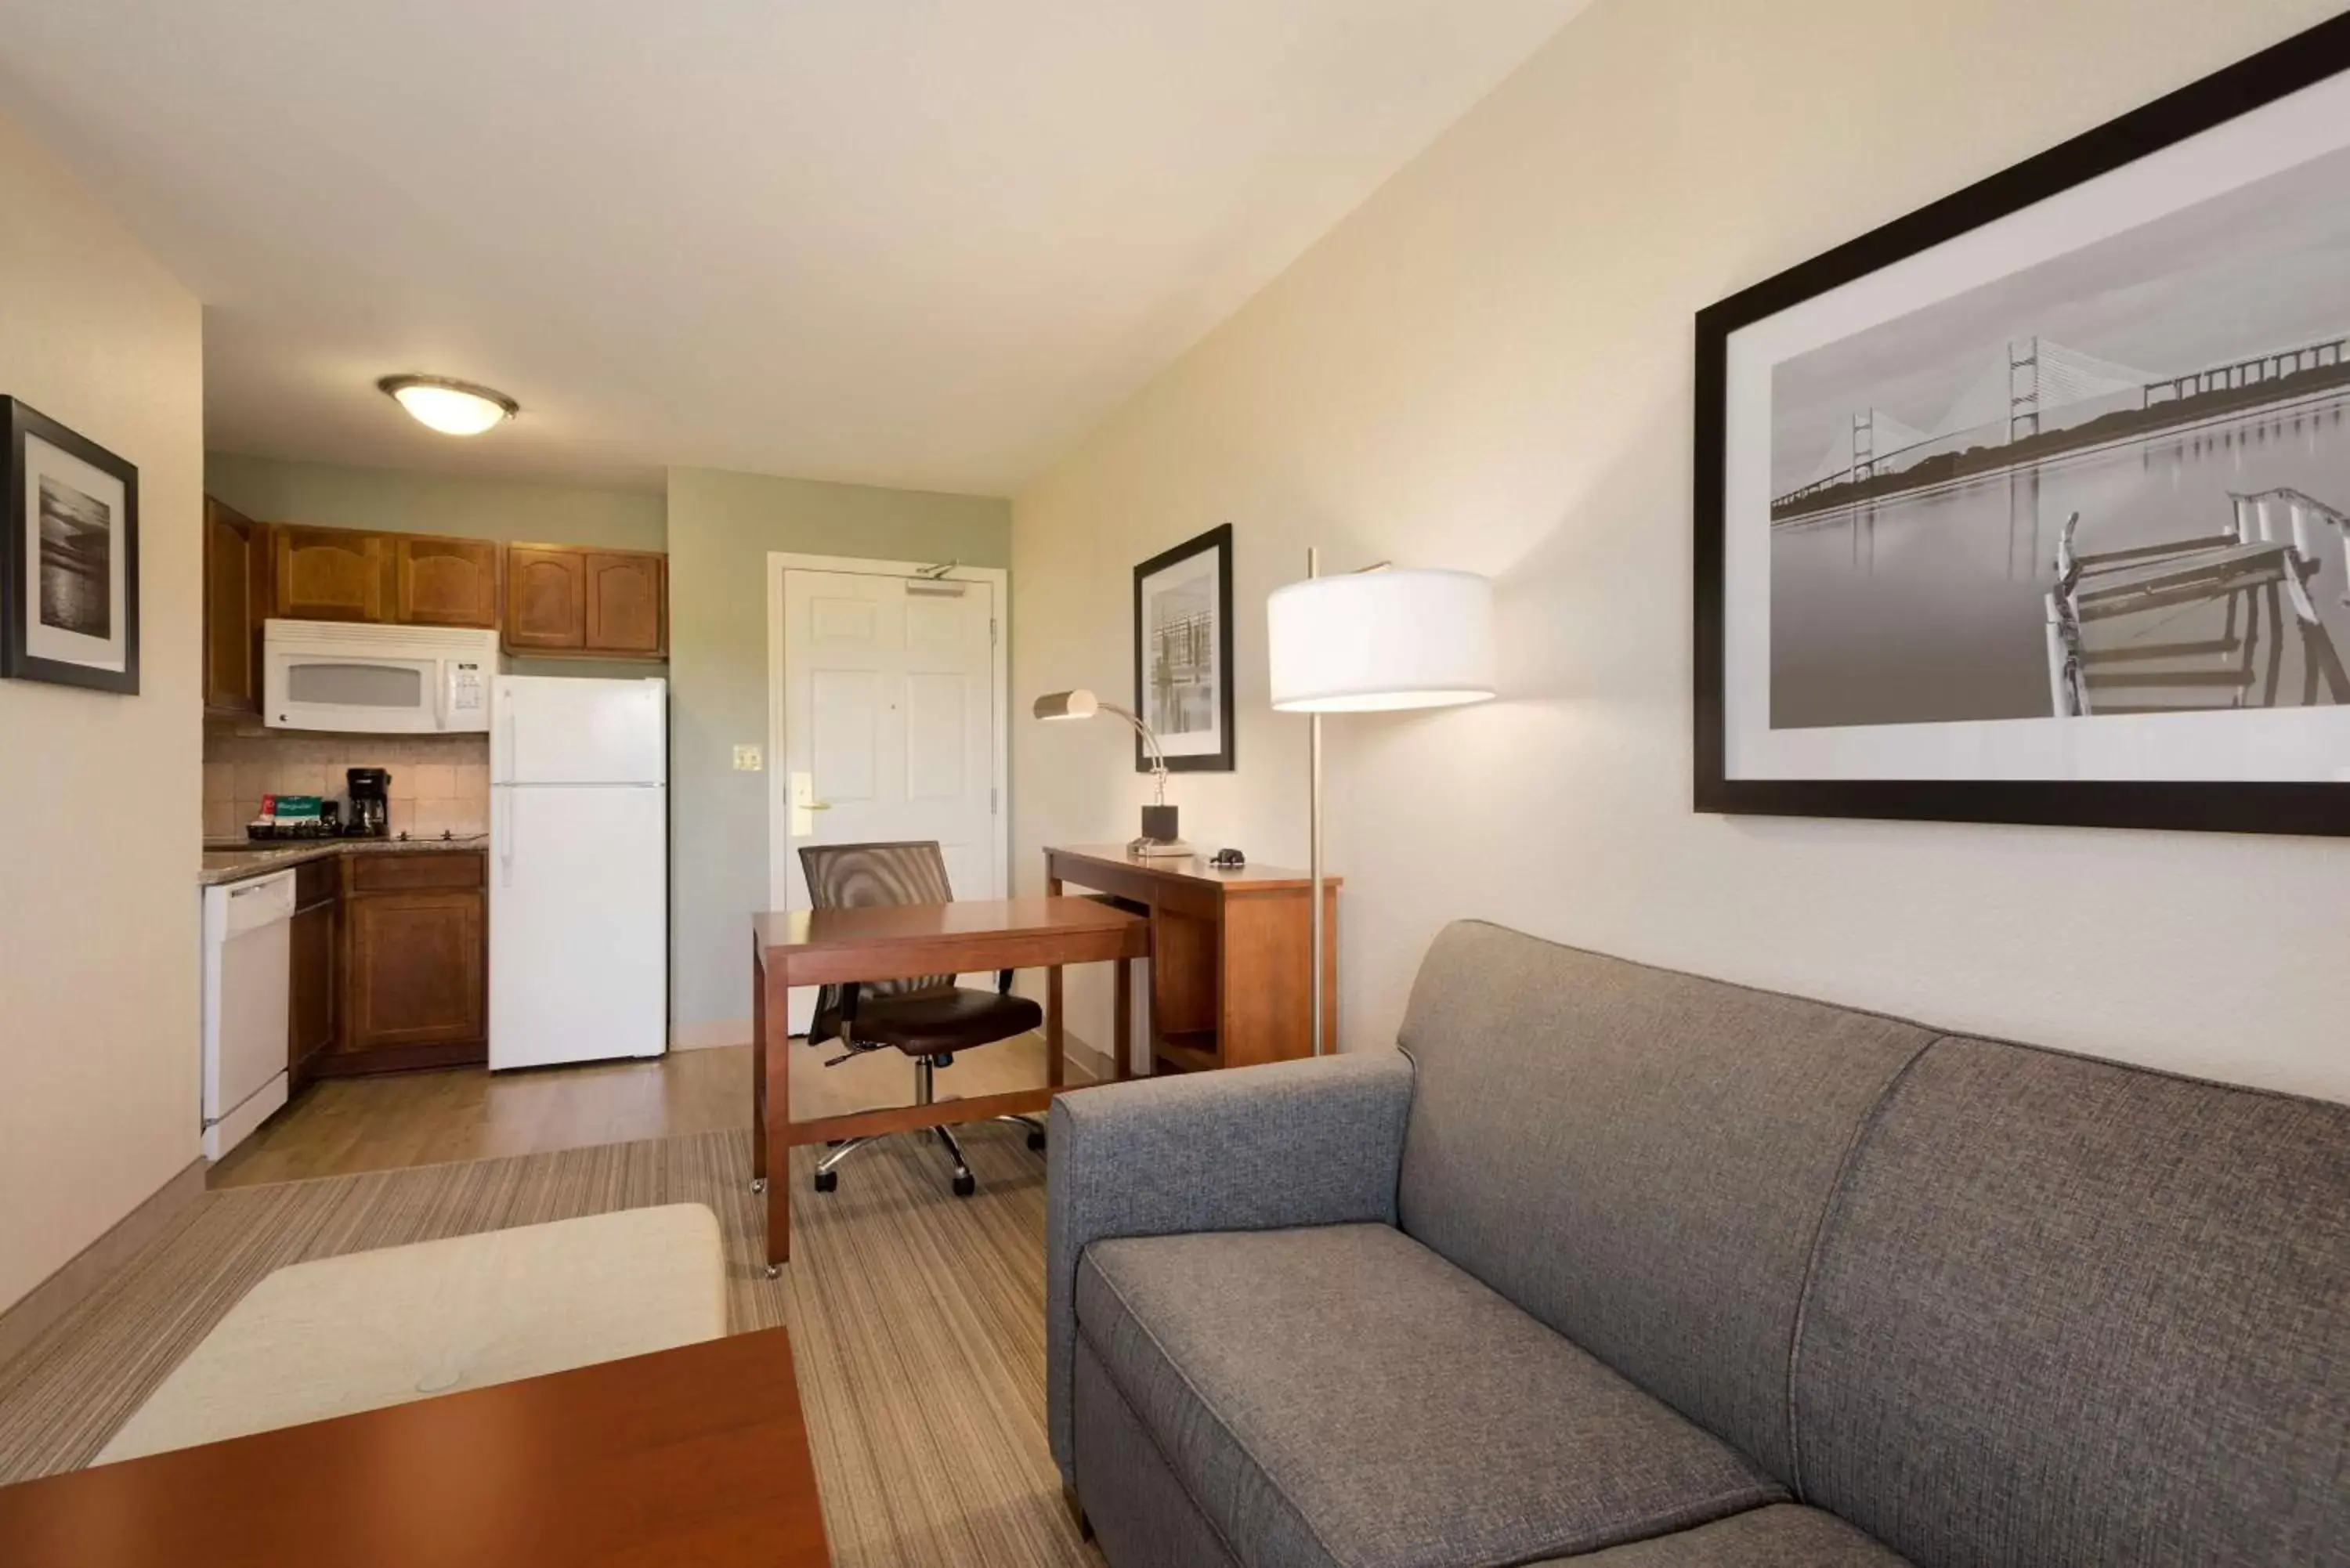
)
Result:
{"points": [[831, 946], [1229, 950], [696, 1454]]}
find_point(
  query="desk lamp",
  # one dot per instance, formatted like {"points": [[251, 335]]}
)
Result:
{"points": [[1371, 640], [1159, 840]]}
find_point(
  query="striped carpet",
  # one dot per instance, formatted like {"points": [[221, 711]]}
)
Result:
{"points": [[917, 1319]]}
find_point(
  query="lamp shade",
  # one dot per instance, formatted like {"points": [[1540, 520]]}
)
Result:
{"points": [[1079, 703], [1371, 640]]}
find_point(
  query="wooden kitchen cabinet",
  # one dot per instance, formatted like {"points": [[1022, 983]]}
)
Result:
{"points": [[312, 1002], [331, 573], [236, 599], [415, 962], [610, 604], [444, 582], [546, 599], [627, 602]]}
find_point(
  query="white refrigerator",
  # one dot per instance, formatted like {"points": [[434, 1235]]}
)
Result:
{"points": [[578, 870]]}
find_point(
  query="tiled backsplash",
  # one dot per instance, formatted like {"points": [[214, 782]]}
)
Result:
{"points": [[439, 782]]}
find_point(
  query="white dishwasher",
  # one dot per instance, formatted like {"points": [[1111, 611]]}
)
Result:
{"points": [[248, 968]]}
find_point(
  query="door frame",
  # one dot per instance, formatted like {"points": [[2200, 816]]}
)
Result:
{"points": [[779, 838]]}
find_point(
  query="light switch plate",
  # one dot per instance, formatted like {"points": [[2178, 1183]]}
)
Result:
{"points": [[746, 759]]}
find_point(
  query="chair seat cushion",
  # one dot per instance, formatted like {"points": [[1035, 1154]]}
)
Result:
{"points": [[940, 1022], [365, 1330], [1786, 1535], [1341, 1395]]}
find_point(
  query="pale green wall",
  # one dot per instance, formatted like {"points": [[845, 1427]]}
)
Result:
{"points": [[722, 528], [334, 495]]}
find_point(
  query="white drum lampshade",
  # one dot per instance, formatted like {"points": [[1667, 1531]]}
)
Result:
{"points": [[1381, 639]]}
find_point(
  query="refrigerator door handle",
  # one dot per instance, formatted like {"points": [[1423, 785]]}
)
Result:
{"points": [[506, 836]]}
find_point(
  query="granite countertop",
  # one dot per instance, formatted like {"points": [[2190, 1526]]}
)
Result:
{"points": [[233, 862]]}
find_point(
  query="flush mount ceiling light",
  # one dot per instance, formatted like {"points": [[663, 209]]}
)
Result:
{"points": [[452, 408]]}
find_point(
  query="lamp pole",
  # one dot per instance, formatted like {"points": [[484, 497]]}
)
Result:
{"points": [[1314, 847]]}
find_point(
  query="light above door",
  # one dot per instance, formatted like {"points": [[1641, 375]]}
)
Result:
{"points": [[452, 408]]}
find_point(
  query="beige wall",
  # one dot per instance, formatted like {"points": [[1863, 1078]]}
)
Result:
{"points": [[1488, 366], [100, 793], [338, 495], [722, 528]]}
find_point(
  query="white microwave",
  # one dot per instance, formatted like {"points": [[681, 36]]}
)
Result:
{"points": [[375, 679]]}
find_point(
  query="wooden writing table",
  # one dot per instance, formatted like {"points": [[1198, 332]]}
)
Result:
{"points": [[695, 1455], [1231, 953], [835, 947]]}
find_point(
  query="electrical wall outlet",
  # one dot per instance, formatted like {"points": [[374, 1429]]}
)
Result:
{"points": [[746, 759]]}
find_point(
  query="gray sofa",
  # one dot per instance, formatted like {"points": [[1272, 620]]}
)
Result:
{"points": [[1629, 1267]]}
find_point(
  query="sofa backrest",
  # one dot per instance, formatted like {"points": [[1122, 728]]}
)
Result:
{"points": [[2070, 1311], [1640, 1159]]}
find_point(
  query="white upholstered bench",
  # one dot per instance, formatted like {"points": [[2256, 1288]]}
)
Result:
{"points": [[371, 1329]]}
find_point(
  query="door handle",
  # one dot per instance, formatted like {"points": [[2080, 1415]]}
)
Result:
{"points": [[507, 838], [816, 806]]}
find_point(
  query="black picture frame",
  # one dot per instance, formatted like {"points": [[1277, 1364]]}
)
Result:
{"points": [[17, 563], [2310, 58], [1218, 539]]}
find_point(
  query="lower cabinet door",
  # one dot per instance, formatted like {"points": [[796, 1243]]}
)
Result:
{"points": [[417, 971], [311, 1015]]}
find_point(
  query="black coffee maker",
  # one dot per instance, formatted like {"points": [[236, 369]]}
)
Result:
{"points": [[370, 790]]}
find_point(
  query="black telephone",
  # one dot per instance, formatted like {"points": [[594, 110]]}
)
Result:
{"points": [[1227, 857]]}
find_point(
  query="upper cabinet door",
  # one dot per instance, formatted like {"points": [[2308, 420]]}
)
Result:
{"points": [[547, 599], [236, 598], [446, 582], [625, 603], [332, 574]]}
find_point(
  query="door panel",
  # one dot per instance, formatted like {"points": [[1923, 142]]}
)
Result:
{"points": [[446, 582], [236, 601], [547, 597], [548, 729], [331, 573], [417, 971], [578, 925], [889, 723], [625, 610]]}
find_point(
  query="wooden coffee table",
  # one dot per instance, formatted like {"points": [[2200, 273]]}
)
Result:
{"points": [[696, 1454]]}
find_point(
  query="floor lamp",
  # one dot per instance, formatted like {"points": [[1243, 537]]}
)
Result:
{"points": [[1379, 639]]}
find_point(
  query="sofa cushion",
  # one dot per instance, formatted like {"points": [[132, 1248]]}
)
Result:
{"points": [[2069, 1312], [1783, 1536], [1637, 1158], [1139, 1511], [1341, 1395]]}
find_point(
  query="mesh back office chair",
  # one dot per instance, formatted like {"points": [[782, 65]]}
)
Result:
{"points": [[930, 1018]]}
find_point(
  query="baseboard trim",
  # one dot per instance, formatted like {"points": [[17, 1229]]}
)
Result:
{"points": [[707, 1035], [62, 1292]]}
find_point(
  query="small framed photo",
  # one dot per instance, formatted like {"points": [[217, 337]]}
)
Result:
{"points": [[1183, 653], [69, 566]]}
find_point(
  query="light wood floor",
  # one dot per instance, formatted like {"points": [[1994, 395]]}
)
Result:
{"points": [[398, 1120]]}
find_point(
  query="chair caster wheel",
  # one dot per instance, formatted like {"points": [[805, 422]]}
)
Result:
{"points": [[826, 1180], [1036, 1140], [965, 1186], [758, 1184]]}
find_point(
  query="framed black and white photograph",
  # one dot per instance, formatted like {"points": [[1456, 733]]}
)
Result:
{"points": [[2034, 505], [70, 572], [1183, 653]]}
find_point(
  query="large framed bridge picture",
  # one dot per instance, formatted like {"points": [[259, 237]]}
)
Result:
{"points": [[2034, 505]]}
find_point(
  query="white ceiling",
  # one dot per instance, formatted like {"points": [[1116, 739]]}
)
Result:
{"points": [[926, 243]]}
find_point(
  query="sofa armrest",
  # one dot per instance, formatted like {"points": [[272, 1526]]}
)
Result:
{"points": [[1315, 1142]]}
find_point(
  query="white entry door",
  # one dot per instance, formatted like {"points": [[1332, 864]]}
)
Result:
{"points": [[890, 724]]}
